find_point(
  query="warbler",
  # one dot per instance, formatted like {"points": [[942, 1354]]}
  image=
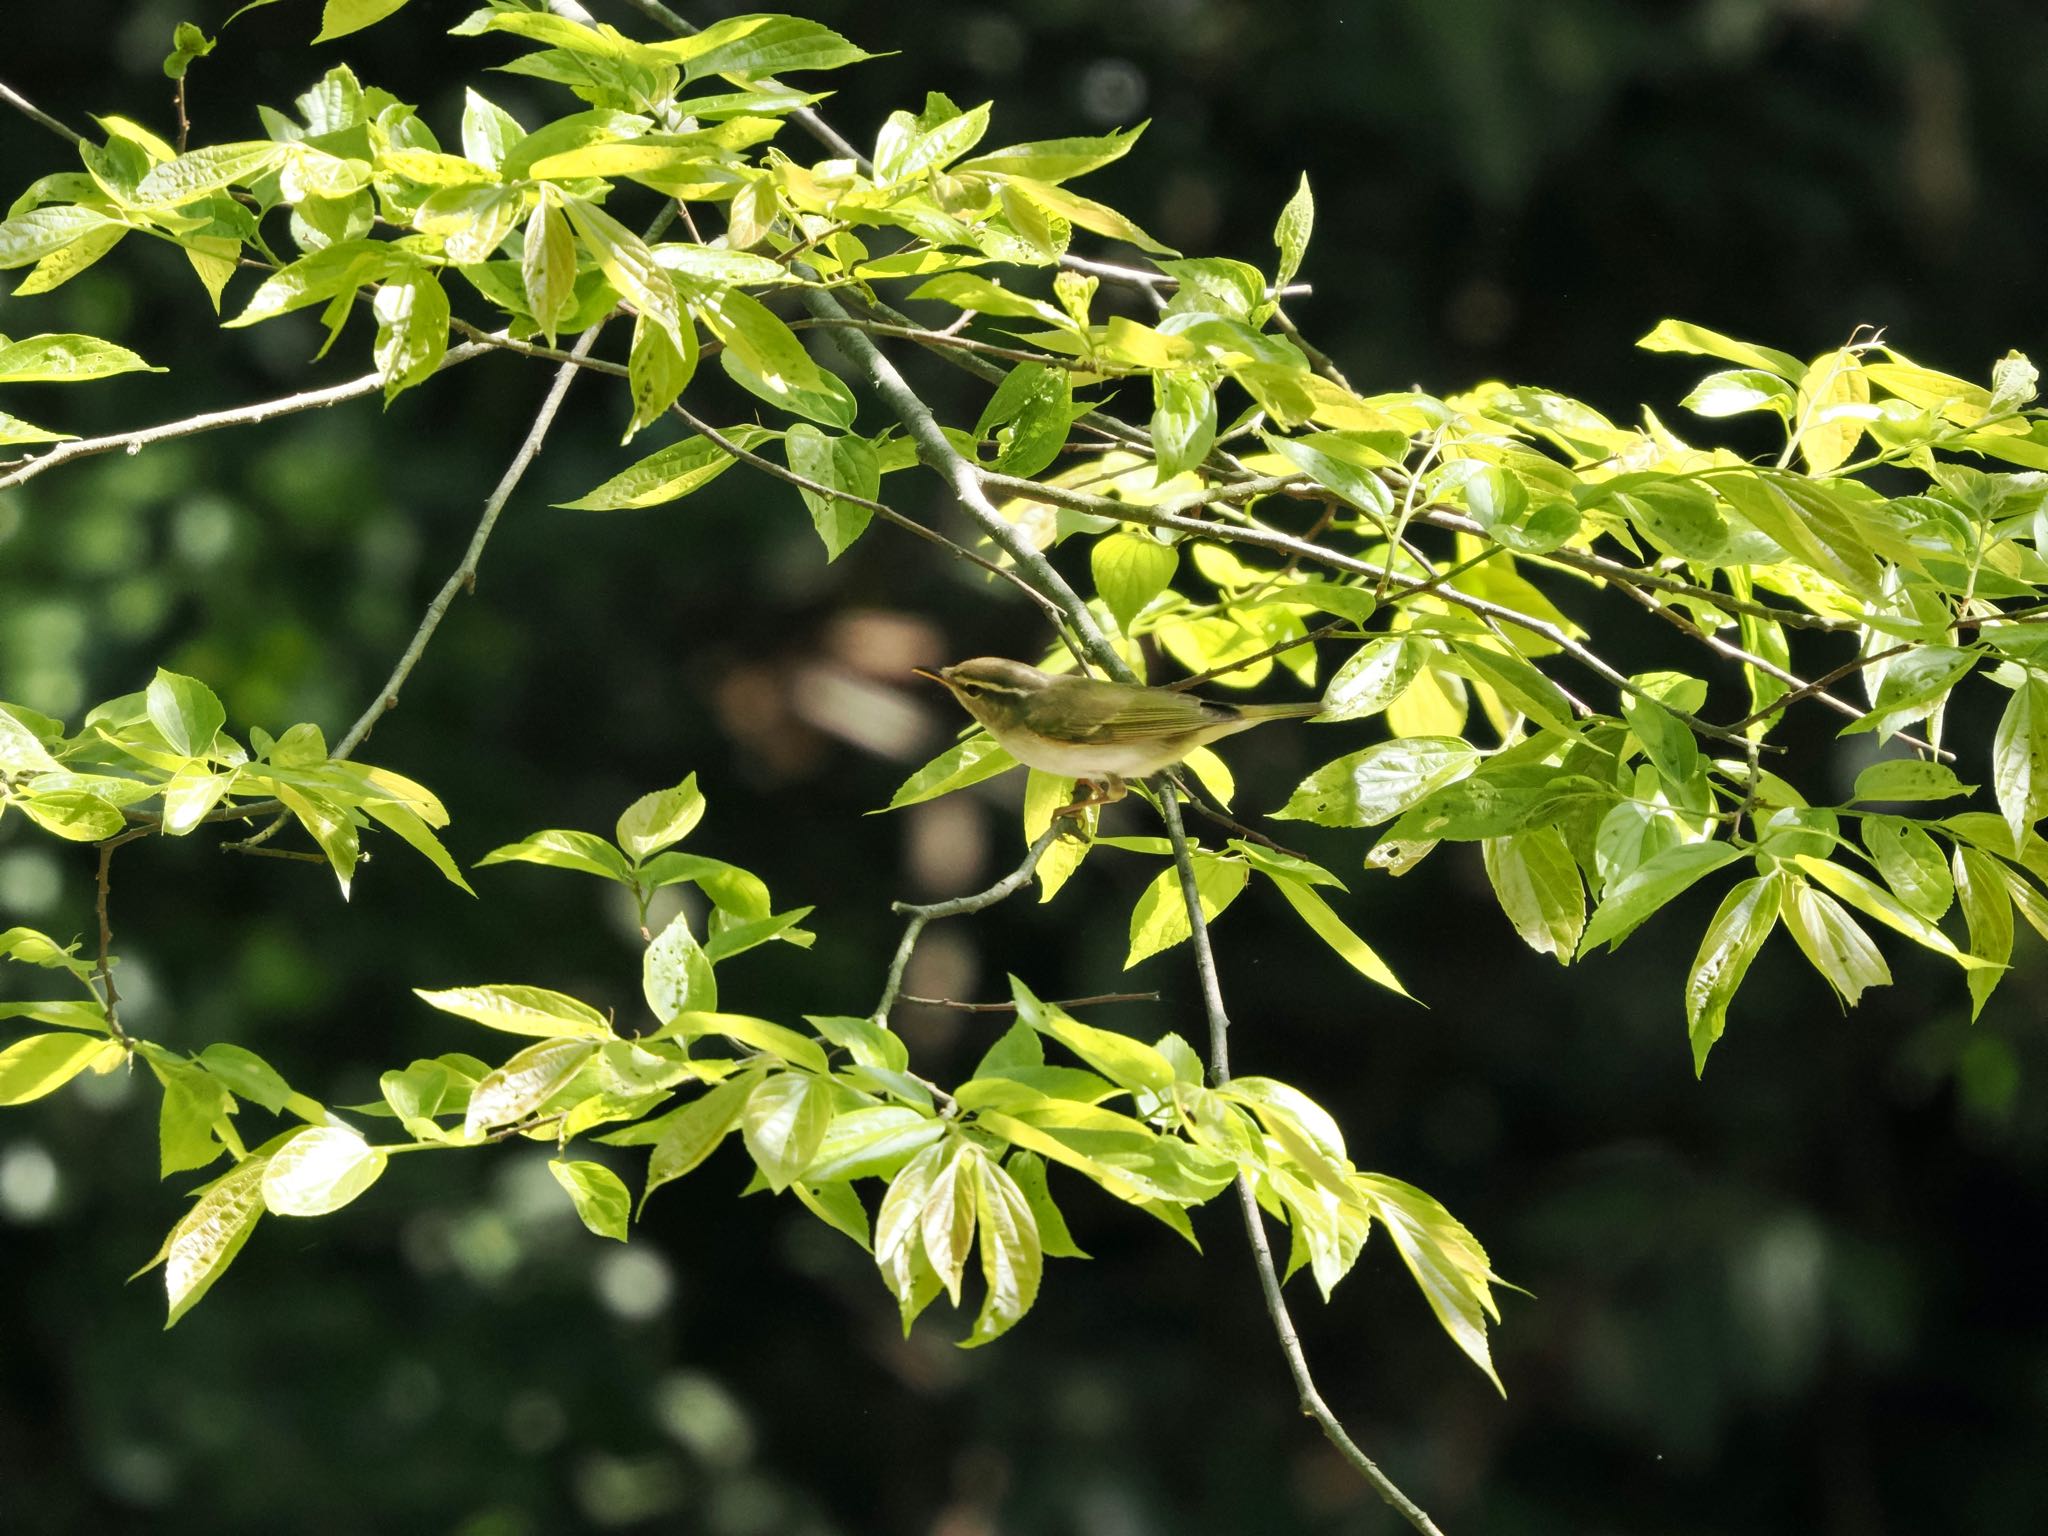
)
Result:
{"points": [[1098, 733]]}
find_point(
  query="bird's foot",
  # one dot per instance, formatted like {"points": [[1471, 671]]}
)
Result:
{"points": [[1091, 793]]}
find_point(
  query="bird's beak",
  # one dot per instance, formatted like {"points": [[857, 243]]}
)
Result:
{"points": [[937, 677]]}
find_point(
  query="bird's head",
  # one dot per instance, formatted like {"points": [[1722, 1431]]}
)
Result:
{"points": [[993, 689]]}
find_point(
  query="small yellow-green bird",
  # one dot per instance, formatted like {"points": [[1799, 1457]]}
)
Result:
{"points": [[1097, 732]]}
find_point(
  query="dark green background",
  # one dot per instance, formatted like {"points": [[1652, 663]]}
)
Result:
{"points": [[1791, 1298]]}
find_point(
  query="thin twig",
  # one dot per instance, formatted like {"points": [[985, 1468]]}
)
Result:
{"points": [[1318, 358], [1225, 820], [1009, 885], [1310, 637], [105, 969], [213, 421], [881, 509], [463, 577], [1311, 1400], [1064, 1002], [36, 114], [184, 123]]}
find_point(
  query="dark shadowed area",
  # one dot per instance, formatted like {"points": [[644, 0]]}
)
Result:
{"points": [[1786, 1298]]}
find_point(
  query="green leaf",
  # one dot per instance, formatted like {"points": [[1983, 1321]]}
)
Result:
{"points": [[14, 430], [21, 749], [1445, 1260], [764, 357], [1377, 673], [547, 266], [1355, 484], [1130, 569], [1831, 940], [661, 819], [846, 464], [777, 1039], [873, 1142], [676, 975], [1291, 234], [321, 1169], [524, 1083], [1913, 686], [186, 712], [630, 267], [195, 174], [899, 1239], [1028, 1169], [753, 47], [1124, 1061], [192, 1127], [412, 330], [1987, 908], [1832, 411], [1333, 931], [1537, 882], [560, 849], [968, 762], [784, 1123], [341, 17], [694, 1132], [205, 1242], [947, 1218], [600, 1196], [247, 1075], [521, 1011], [1732, 940], [1738, 390], [488, 131], [1160, 919], [2019, 758], [1659, 879], [1874, 901], [656, 373], [1012, 1255], [41, 232], [839, 1208], [40, 1064], [1053, 159], [668, 474], [65, 358], [1666, 739], [1365, 788], [1183, 422], [1911, 863], [1679, 336], [1909, 778]]}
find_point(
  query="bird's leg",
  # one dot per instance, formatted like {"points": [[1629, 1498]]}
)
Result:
{"points": [[1091, 792]]}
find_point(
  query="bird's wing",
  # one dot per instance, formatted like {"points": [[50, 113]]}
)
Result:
{"points": [[1087, 708]]}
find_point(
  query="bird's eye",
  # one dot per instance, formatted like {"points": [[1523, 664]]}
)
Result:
{"points": [[970, 689]]}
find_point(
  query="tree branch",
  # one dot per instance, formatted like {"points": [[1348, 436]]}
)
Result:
{"points": [[1311, 1399], [966, 481], [1064, 1002], [213, 421], [1009, 885], [463, 577], [36, 114]]}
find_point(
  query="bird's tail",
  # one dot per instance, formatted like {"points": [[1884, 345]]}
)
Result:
{"points": [[1258, 714]]}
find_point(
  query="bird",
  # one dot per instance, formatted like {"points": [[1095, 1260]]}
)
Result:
{"points": [[1097, 733]]}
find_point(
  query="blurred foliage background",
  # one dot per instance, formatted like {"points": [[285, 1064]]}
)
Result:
{"points": [[1790, 1298]]}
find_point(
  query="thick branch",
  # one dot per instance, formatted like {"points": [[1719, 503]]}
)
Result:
{"points": [[966, 481]]}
